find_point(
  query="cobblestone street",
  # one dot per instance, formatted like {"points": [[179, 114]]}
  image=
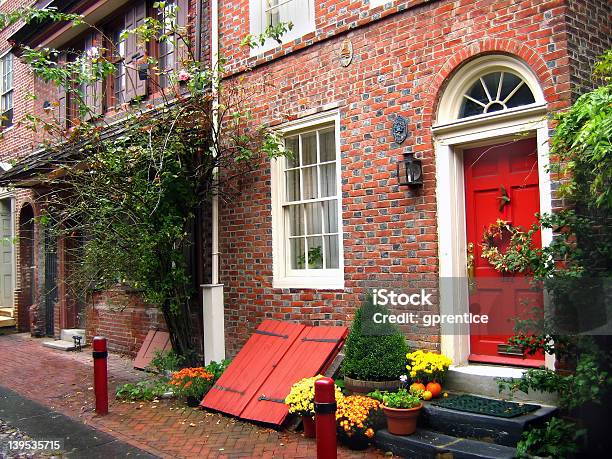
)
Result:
{"points": [[62, 381]]}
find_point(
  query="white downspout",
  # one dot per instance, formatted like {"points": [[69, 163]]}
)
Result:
{"points": [[214, 56], [214, 314]]}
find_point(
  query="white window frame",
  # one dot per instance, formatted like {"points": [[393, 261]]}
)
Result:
{"points": [[4, 91], [451, 136], [377, 3], [283, 275], [257, 17]]}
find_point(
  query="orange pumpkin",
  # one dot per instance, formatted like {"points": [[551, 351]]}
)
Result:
{"points": [[435, 388], [417, 386]]}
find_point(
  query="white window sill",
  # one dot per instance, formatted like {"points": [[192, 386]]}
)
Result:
{"points": [[309, 282], [273, 44], [377, 3]]}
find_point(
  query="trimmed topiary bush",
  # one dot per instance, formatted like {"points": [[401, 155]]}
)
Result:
{"points": [[374, 352]]}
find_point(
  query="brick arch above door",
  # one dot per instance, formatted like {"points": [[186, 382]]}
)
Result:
{"points": [[435, 89]]}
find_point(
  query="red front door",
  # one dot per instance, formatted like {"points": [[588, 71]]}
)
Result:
{"points": [[501, 182]]}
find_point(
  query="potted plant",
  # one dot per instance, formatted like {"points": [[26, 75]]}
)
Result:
{"points": [[192, 383], [301, 402], [374, 354], [402, 410], [428, 369], [357, 418]]}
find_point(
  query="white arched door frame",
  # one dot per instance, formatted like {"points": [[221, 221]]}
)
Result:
{"points": [[451, 136]]}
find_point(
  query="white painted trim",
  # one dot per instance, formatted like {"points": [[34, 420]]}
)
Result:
{"points": [[301, 26], [450, 104], [450, 136], [330, 279], [213, 323], [8, 195], [377, 3], [451, 215]]}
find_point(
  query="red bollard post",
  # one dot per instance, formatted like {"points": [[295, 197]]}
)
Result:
{"points": [[325, 418], [100, 354]]}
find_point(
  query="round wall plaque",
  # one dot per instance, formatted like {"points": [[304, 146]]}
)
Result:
{"points": [[346, 53], [400, 129]]}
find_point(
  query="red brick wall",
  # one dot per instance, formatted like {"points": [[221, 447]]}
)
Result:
{"points": [[123, 318], [589, 26], [403, 56]]}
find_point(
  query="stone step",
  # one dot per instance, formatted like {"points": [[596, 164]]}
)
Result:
{"points": [[482, 380], [60, 344], [426, 444], [503, 431], [7, 322], [6, 312], [67, 334]]}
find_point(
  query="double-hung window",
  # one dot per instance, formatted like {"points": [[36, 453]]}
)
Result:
{"points": [[266, 13], [6, 89], [167, 55], [307, 210]]}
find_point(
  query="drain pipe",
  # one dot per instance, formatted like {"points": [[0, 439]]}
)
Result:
{"points": [[213, 314]]}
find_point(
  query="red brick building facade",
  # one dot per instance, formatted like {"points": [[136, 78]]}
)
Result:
{"points": [[403, 55], [336, 88]]}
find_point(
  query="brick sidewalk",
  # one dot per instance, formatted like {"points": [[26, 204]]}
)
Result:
{"points": [[63, 382]]}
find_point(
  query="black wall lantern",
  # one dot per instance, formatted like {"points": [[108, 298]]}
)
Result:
{"points": [[410, 171]]}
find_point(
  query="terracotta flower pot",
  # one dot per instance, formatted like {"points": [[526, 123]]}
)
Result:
{"points": [[402, 421], [309, 427], [359, 386]]}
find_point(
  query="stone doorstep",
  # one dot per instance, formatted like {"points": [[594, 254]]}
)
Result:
{"points": [[6, 312], [502, 431], [7, 321], [67, 334], [61, 345], [426, 444], [482, 380]]}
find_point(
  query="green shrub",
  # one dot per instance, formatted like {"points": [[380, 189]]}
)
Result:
{"points": [[374, 352], [146, 390], [167, 360], [557, 439]]}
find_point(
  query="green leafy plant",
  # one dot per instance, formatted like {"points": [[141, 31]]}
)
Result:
{"points": [[217, 368], [557, 439], [167, 361], [146, 390], [574, 270], [402, 399], [192, 382], [375, 352], [129, 192]]}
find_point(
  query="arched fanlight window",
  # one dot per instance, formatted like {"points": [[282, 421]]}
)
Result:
{"points": [[493, 92]]}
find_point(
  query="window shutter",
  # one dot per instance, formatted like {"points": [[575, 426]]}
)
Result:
{"points": [[94, 90], [182, 22], [135, 53], [62, 102], [98, 86]]}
